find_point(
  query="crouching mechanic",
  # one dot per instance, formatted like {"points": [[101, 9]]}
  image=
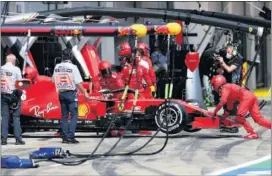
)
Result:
{"points": [[231, 93], [67, 79], [109, 80], [9, 95]]}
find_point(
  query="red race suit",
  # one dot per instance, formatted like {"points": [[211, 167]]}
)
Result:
{"points": [[231, 93], [112, 82], [150, 69], [142, 74]]}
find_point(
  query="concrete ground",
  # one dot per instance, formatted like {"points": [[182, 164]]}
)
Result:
{"points": [[185, 154]]}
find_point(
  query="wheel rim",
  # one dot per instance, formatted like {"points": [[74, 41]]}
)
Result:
{"points": [[171, 114]]}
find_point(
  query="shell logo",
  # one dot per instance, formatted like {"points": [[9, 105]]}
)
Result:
{"points": [[83, 111]]}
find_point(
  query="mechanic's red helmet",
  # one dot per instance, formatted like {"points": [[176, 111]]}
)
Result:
{"points": [[217, 81], [30, 73], [143, 46], [105, 68], [125, 49]]}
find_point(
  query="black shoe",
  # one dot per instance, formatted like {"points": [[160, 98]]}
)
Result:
{"points": [[19, 142], [65, 140], [4, 141], [229, 130], [73, 141]]}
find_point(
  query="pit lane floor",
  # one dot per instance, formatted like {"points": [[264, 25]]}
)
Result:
{"points": [[185, 154]]}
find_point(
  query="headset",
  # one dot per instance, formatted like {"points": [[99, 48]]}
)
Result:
{"points": [[234, 49]]}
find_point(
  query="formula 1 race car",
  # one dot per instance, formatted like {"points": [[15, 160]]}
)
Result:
{"points": [[41, 109]]}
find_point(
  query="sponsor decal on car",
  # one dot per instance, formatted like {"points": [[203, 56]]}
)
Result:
{"points": [[38, 112], [83, 111]]}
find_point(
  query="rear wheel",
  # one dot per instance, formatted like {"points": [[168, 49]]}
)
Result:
{"points": [[192, 116], [176, 115]]}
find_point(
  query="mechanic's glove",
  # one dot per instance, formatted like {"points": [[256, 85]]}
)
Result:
{"points": [[211, 114], [153, 91], [226, 114], [214, 116]]}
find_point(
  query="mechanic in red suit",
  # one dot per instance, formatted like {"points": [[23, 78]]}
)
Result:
{"points": [[142, 75], [125, 53], [110, 80], [230, 93], [145, 57]]}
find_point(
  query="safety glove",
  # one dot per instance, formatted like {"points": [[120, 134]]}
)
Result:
{"points": [[211, 114], [153, 91], [226, 113]]}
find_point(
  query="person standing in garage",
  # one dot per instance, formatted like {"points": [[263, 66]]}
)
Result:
{"points": [[9, 75], [67, 80], [232, 65]]}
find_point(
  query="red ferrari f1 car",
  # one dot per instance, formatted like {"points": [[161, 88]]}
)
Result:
{"points": [[41, 108]]}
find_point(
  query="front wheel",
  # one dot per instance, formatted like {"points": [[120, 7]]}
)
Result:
{"points": [[175, 114]]}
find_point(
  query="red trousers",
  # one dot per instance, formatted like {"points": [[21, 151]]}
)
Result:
{"points": [[252, 107], [254, 110]]}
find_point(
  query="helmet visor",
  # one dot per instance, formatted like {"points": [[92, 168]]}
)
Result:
{"points": [[106, 72]]}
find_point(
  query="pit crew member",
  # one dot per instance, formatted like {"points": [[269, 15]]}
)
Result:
{"points": [[142, 75], [124, 53], [9, 75], [67, 79], [231, 93], [109, 80], [144, 57]]}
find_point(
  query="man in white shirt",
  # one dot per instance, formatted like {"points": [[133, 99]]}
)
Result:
{"points": [[67, 80], [9, 75]]}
